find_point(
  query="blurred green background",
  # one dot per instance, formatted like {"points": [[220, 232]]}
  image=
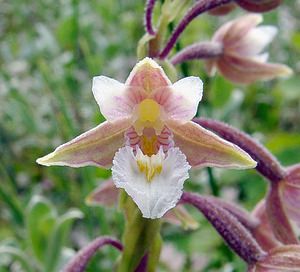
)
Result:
{"points": [[49, 52]]}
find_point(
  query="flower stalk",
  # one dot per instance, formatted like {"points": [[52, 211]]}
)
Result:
{"points": [[202, 50], [233, 232], [198, 8], [269, 167], [267, 164], [141, 237], [148, 17], [79, 262]]}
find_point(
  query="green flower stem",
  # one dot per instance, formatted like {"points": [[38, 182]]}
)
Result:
{"points": [[141, 236], [169, 11], [155, 44], [212, 182]]}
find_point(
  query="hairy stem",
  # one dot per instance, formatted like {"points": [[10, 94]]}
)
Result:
{"points": [[148, 17], [199, 7], [233, 232], [267, 164], [202, 50], [79, 262]]}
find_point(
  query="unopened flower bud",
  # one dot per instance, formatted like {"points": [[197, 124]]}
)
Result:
{"points": [[242, 60], [259, 5], [223, 10]]}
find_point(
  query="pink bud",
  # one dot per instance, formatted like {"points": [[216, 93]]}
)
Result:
{"points": [[259, 5], [223, 10], [242, 60]]}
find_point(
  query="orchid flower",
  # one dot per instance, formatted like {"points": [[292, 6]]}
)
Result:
{"points": [[242, 60], [149, 138]]}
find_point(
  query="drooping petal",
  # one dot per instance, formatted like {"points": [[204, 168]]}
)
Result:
{"points": [[180, 101], [247, 70], [94, 147], [157, 195], [105, 195], [148, 75], [116, 101], [283, 258], [239, 28], [291, 201], [180, 216], [210, 66], [204, 148], [255, 40], [290, 191], [263, 232], [221, 32]]}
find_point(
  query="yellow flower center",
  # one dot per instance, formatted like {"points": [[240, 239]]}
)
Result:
{"points": [[149, 145], [148, 110], [149, 116], [151, 166]]}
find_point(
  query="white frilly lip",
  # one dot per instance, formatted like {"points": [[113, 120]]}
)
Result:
{"points": [[154, 198]]}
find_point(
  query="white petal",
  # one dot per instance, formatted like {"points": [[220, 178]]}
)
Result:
{"points": [[256, 40], [112, 98], [154, 198], [262, 57], [183, 99]]}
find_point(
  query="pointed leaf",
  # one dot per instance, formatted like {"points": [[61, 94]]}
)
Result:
{"points": [[57, 238], [18, 255], [40, 221]]}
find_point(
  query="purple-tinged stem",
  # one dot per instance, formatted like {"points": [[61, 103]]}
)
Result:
{"points": [[251, 223], [79, 262], [233, 232], [279, 222], [148, 17], [142, 267], [267, 164], [245, 218], [199, 7], [202, 50]]}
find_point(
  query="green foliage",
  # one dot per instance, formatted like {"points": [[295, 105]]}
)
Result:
{"points": [[46, 233]]}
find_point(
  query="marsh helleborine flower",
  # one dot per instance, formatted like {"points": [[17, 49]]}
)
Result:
{"points": [[148, 137], [242, 60]]}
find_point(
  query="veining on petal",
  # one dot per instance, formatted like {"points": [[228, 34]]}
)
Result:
{"points": [[157, 189]]}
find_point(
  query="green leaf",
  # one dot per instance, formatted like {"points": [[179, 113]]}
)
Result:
{"points": [[18, 255], [57, 238], [67, 32], [40, 221]]}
